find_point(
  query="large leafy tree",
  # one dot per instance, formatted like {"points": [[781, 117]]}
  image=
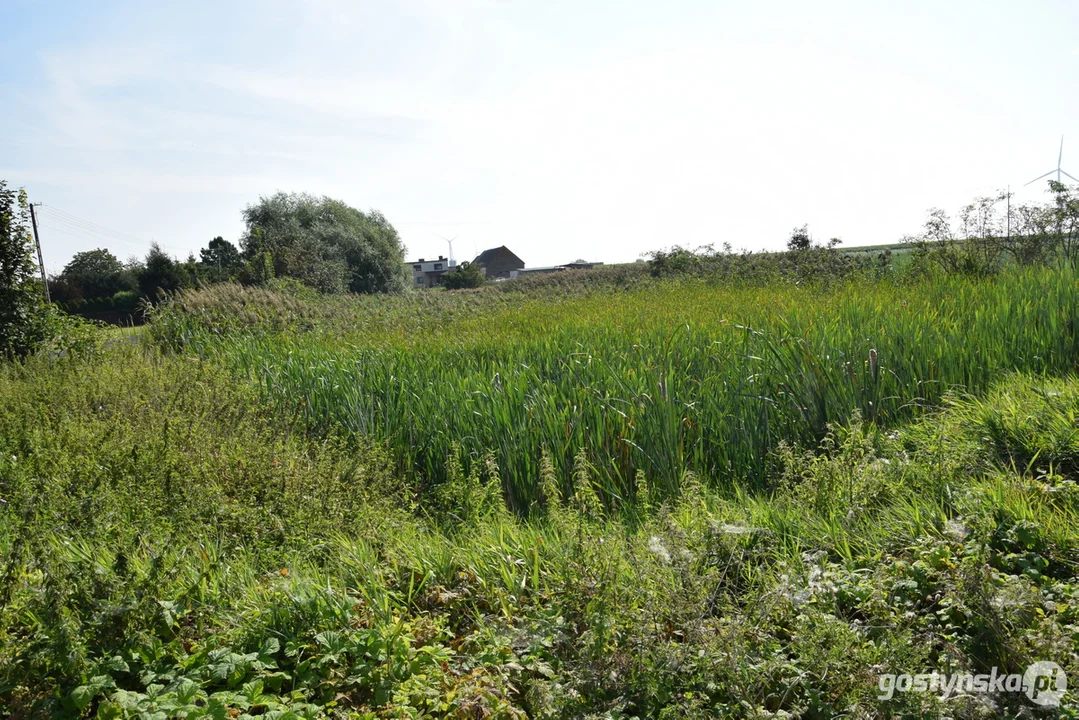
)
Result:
{"points": [[21, 302], [325, 243], [96, 273]]}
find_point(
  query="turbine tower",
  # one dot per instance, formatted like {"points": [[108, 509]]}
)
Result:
{"points": [[449, 241], [1058, 169]]}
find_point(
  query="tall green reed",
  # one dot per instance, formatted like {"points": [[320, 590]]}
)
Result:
{"points": [[666, 379]]}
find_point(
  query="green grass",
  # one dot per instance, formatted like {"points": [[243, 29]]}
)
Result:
{"points": [[674, 499], [666, 379], [168, 549]]}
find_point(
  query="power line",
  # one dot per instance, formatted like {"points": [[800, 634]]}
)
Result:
{"points": [[93, 239], [57, 211], [89, 231], [87, 228], [90, 226], [90, 236]]}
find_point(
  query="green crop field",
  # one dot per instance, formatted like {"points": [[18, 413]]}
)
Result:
{"points": [[617, 497]]}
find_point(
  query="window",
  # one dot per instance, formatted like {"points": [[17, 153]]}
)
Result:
{"points": [[417, 267], [438, 266], [419, 280]]}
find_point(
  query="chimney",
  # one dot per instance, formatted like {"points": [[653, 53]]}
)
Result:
{"points": [[421, 260], [441, 258]]}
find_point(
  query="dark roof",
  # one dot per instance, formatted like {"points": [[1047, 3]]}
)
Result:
{"points": [[487, 256]]}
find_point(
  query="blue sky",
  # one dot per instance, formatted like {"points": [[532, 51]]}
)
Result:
{"points": [[561, 129]]}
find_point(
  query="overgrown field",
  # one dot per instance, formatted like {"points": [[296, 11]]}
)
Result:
{"points": [[665, 379], [668, 499]]}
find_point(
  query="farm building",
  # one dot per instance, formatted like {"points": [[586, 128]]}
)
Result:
{"points": [[575, 265], [499, 262]]}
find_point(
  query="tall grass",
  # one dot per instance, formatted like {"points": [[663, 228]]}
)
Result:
{"points": [[169, 548], [665, 379]]}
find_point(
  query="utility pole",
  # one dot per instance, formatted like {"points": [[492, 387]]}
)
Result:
{"points": [[40, 259]]}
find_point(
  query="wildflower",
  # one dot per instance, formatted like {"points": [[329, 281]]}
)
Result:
{"points": [[956, 529], [655, 546], [284, 572]]}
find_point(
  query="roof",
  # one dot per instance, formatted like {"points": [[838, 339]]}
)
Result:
{"points": [[545, 268], [487, 256]]}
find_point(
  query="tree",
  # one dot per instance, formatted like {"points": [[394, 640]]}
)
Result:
{"points": [[220, 258], [325, 243], [258, 270], [21, 301], [1064, 214], [799, 239], [95, 273], [159, 274], [467, 275]]}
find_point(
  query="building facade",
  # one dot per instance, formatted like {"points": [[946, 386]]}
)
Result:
{"points": [[499, 262], [428, 273]]}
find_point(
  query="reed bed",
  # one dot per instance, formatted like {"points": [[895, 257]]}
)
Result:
{"points": [[651, 383]]}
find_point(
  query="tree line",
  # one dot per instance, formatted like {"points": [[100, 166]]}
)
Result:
{"points": [[330, 247], [991, 232], [319, 242]]}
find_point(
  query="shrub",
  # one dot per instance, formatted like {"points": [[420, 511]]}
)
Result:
{"points": [[466, 275]]}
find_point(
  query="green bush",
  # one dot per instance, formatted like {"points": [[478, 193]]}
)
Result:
{"points": [[466, 275]]}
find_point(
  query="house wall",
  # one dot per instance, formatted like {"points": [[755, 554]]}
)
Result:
{"points": [[502, 264], [427, 273]]}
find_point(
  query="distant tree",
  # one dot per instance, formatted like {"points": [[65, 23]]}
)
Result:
{"points": [[799, 239], [325, 243], [220, 258], [976, 247], [21, 301], [1064, 217], [467, 275], [192, 273], [160, 273], [95, 273]]}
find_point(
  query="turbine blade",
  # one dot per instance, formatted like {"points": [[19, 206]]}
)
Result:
{"points": [[1040, 177], [1060, 157], [1064, 173]]}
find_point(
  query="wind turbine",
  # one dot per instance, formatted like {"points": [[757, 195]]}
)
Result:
{"points": [[449, 241], [1058, 169]]}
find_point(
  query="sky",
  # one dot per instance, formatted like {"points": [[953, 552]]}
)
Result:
{"points": [[564, 130]]}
